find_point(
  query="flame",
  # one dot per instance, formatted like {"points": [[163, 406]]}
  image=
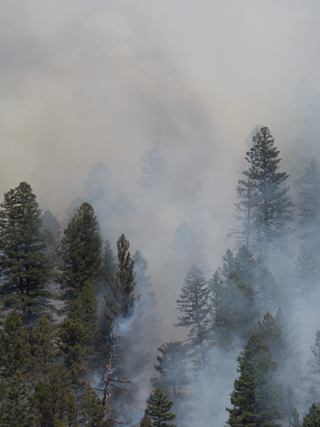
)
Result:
{"points": [[107, 366]]}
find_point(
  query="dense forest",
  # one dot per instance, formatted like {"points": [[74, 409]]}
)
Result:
{"points": [[80, 342]]}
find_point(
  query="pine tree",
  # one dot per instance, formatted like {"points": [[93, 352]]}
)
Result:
{"points": [[155, 168], [17, 408], [173, 378], [295, 419], [312, 419], [54, 402], [313, 376], [158, 409], [186, 250], [14, 346], [80, 251], [269, 332], [119, 301], [266, 217], [309, 207], [255, 398], [44, 350], [22, 260], [142, 280], [146, 421], [91, 409], [307, 274], [194, 306]]}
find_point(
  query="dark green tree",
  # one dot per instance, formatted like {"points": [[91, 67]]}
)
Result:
{"points": [[80, 251], [17, 407], [119, 301], [14, 346], [158, 409], [309, 206], [312, 419], [270, 208], [44, 350], [23, 264], [173, 378], [92, 410], [146, 421], [54, 402], [255, 398], [194, 305]]}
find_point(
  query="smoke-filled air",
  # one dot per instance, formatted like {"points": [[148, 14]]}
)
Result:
{"points": [[160, 213]]}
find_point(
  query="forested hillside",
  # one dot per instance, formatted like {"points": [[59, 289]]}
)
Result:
{"points": [[82, 319]]}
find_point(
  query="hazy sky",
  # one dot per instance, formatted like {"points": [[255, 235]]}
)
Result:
{"points": [[89, 81]]}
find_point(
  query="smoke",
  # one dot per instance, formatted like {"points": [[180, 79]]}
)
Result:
{"points": [[87, 87]]}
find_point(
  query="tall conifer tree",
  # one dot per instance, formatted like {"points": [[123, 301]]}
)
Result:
{"points": [[255, 398], [23, 264], [80, 252]]}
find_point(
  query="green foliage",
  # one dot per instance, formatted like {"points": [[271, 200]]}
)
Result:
{"points": [[173, 378], [255, 398], [146, 421], [158, 409], [265, 209], [269, 332], [16, 408], [171, 366], [194, 306], [295, 419], [14, 346], [54, 402], [44, 350], [80, 251], [91, 409], [312, 419], [22, 260], [119, 301]]}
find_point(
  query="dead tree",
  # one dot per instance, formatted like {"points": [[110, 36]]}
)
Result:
{"points": [[109, 381]]}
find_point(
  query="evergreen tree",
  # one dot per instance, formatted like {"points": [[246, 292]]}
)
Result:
{"points": [[146, 421], [54, 402], [91, 409], [155, 168], [22, 260], [173, 378], [171, 366], [266, 218], [110, 265], [269, 332], [219, 325], [255, 398], [313, 376], [307, 274], [142, 280], [312, 419], [17, 411], [194, 306], [50, 222], [228, 264], [119, 301], [309, 207], [158, 409], [295, 419], [14, 346], [80, 251], [186, 250], [246, 265], [44, 350]]}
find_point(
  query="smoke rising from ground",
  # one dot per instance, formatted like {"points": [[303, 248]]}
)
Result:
{"points": [[87, 87]]}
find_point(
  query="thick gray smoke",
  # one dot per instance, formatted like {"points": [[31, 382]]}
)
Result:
{"points": [[89, 87]]}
